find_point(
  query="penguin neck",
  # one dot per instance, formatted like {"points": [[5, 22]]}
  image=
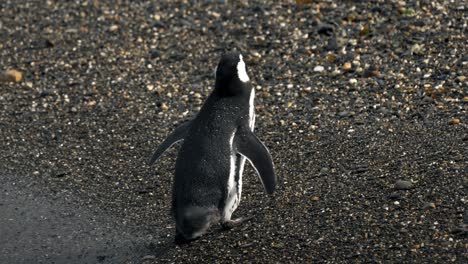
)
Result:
{"points": [[232, 88]]}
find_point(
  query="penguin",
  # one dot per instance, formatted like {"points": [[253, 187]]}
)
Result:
{"points": [[216, 143]]}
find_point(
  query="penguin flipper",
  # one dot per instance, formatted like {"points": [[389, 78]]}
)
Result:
{"points": [[248, 145], [177, 135]]}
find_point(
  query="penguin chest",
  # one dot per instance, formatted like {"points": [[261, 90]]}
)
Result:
{"points": [[237, 162], [234, 184]]}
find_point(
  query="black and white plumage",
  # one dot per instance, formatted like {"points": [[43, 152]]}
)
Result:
{"points": [[208, 177]]}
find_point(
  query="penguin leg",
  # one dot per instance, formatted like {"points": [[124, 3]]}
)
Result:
{"points": [[229, 224]]}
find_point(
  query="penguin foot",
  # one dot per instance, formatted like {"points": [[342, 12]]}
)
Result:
{"points": [[229, 224]]}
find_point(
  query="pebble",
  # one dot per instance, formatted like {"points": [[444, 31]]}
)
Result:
{"points": [[394, 196], [164, 107], [371, 73], [347, 66], [403, 185], [148, 257], [324, 171], [319, 68], [11, 76], [429, 205], [325, 29], [455, 121], [277, 245], [315, 198], [150, 87], [365, 30], [352, 81], [417, 49]]}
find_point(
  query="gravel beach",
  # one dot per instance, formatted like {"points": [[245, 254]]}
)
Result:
{"points": [[363, 105]]}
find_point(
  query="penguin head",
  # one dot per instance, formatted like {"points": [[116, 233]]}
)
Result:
{"points": [[231, 75]]}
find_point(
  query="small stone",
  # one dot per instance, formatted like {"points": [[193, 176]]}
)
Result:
{"points": [[113, 28], [417, 49], [325, 29], [256, 54], [461, 78], [150, 87], [331, 57], [319, 68], [365, 30], [90, 103], [461, 230], [324, 171], [277, 245], [352, 81], [455, 121], [154, 54], [403, 185], [347, 66], [215, 14], [11, 76], [164, 107], [371, 73], [343, 114], [429, 205], [315, 198], [148, 257], [394, 196]]}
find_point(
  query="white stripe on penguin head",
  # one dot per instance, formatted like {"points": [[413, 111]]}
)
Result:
{"points": [[241, 72]]}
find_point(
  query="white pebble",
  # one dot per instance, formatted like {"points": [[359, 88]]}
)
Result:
{"points": [[319, 68]]}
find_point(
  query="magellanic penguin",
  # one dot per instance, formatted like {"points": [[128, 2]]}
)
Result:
{"points": [[208, 175]]}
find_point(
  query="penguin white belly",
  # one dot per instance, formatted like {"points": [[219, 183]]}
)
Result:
{"points": [[235, 188]]}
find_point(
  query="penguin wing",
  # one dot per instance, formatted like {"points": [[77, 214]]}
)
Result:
{"points": [[177, 135], [248, 145]]}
